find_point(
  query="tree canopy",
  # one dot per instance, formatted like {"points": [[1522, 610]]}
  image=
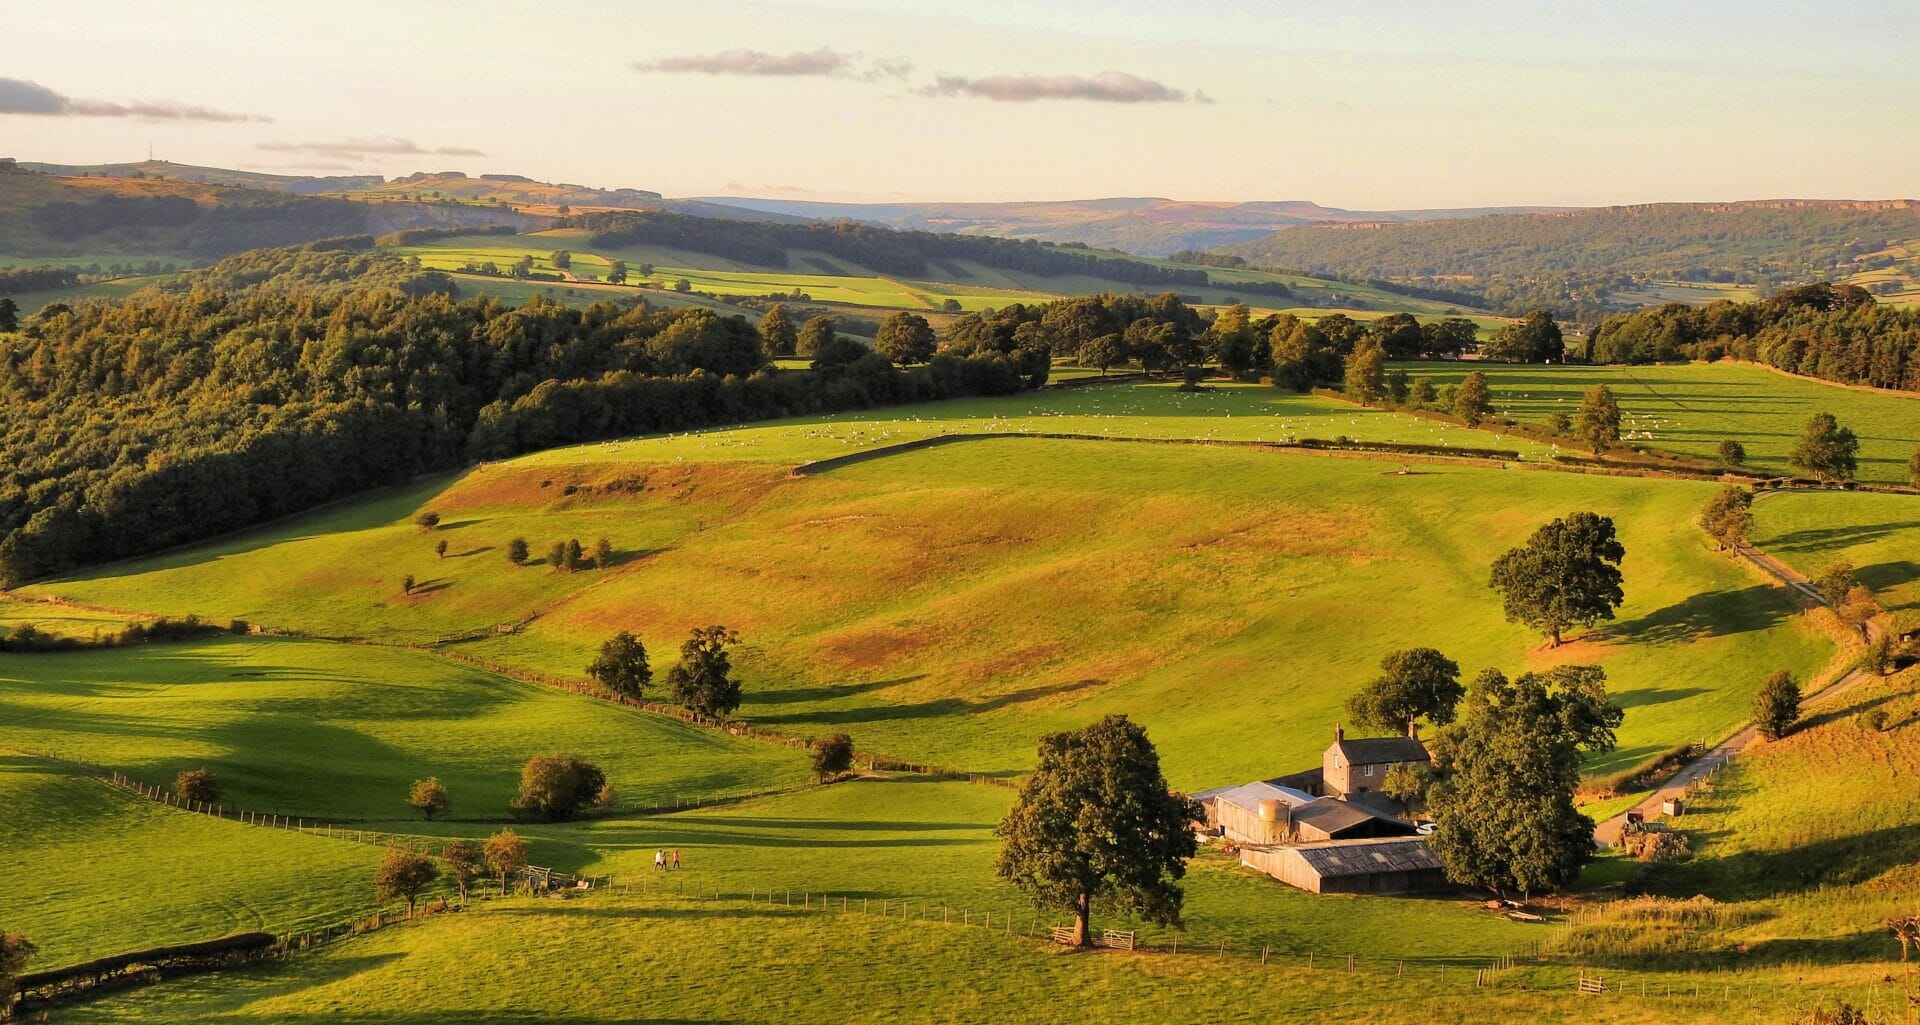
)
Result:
{"points": [[1567, 574], [554, 787], [1095, 822], [622, 666], [1826, 451], [703, 679], [1504, 801], [1417, 683]]}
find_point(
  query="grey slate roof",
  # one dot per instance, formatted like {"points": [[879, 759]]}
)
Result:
{"points": [[1381, 750], [1331, 815], [1335, 858]]}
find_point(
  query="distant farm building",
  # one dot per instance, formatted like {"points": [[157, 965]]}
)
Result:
{"points": [[1330, 830], [1394, 865]]}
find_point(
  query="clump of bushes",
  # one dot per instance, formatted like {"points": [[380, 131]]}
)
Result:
{"points": [[28, 639]]}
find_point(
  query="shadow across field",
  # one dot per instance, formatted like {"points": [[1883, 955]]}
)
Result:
{"points": [[1709, 614], [1823, 538], [937, 708]]}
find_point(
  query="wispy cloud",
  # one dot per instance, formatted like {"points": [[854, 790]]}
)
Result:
{"points": [[360, 149], [822, 63], [19, 96], [1106, 87]]}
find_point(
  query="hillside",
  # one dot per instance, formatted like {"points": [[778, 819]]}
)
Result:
{"points": [[1583, 262], [1145, 227], [60, 218]]}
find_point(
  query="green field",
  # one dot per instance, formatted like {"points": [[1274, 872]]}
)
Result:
{"points": [[330, 731], [628, 960], [1805, 843], [829, 279], [1691, 409], [1878, 534], [951, 604], [93, 871]]}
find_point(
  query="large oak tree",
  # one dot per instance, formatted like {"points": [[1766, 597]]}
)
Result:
{"points": [[1096, 824], [1567, 574]]}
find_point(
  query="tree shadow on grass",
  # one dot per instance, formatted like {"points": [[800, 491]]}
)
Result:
{"points": [[938, 708], [1757, 875], [1709, 614], [831, 692], [1654, 696], [1821, 538]]}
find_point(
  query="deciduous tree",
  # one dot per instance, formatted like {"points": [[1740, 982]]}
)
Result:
{"points": [[1567, 574], [428, 797], [1364, 371], [1732, 454], [1776, 706], [1096, 824], [554, 787], [1104, 352], [1826, 451], [1473, 400], [196, 785], [905, 338], [1504, 805], [777, 332], [15, 953], [1728, 517], [1418, 683], [464, 864], [507, 853], [517, 551], [1599, 418], [703, 679], [622, 665], [815, 334], [832, 755], [403, 874]]}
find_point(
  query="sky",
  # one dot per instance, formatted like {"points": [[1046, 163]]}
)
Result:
{"points": [[1361, 105]]}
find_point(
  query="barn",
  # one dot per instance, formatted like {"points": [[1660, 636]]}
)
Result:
{"points": [[1384, 865]]}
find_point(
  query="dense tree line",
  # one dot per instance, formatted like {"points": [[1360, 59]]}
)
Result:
{"points": [[1836, 332], [1569, 263], [37, 279], [907, 253], [272, 382]]}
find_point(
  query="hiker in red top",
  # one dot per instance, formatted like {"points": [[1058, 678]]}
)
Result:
{"points": [[676, 857]]}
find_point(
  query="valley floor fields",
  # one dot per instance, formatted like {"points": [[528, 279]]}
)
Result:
{"points": [[1692, 409], [949, 604]]}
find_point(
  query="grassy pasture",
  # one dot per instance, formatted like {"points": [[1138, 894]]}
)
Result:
{"points": [[1691, 409], [1878, 534], [629, 959], [331, 730], [93, 871], [931, 844], [1806, 843], [953, 603], [59, 620]]}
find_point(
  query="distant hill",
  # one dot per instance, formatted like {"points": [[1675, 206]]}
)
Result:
{"points": [[1587, 262], [303, 185], [61, 216], [1142, 226]]}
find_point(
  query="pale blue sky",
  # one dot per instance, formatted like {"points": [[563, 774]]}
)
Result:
{"points": [[1361, 105]]}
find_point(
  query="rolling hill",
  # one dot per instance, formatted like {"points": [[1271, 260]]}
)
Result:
{"points": [[1146, 227]]}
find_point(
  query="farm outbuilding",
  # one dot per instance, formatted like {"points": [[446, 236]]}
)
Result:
{"points": [[1388, 865]]}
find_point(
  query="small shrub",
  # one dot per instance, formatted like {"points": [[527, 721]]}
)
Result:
{"points": [[428, 797], [1732, 453], [406, 584], [427, 520], [196, 785], [240, 628], [1776, 706], [1877, 720], [517, 551], [832, 755], [1560, 422], [441, 548], [607, 798], [1665, 847]]}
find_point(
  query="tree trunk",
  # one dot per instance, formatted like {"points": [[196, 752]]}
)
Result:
{"points": [[1082, 920], [1556, 637]]}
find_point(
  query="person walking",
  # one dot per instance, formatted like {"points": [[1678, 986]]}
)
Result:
{"points": [[676, 859], [660, 861]]}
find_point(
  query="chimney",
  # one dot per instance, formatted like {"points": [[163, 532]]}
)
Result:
{"points": [[1338, 733]]}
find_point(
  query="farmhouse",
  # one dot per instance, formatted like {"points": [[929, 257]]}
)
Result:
{"points": [[1330, 829]]}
